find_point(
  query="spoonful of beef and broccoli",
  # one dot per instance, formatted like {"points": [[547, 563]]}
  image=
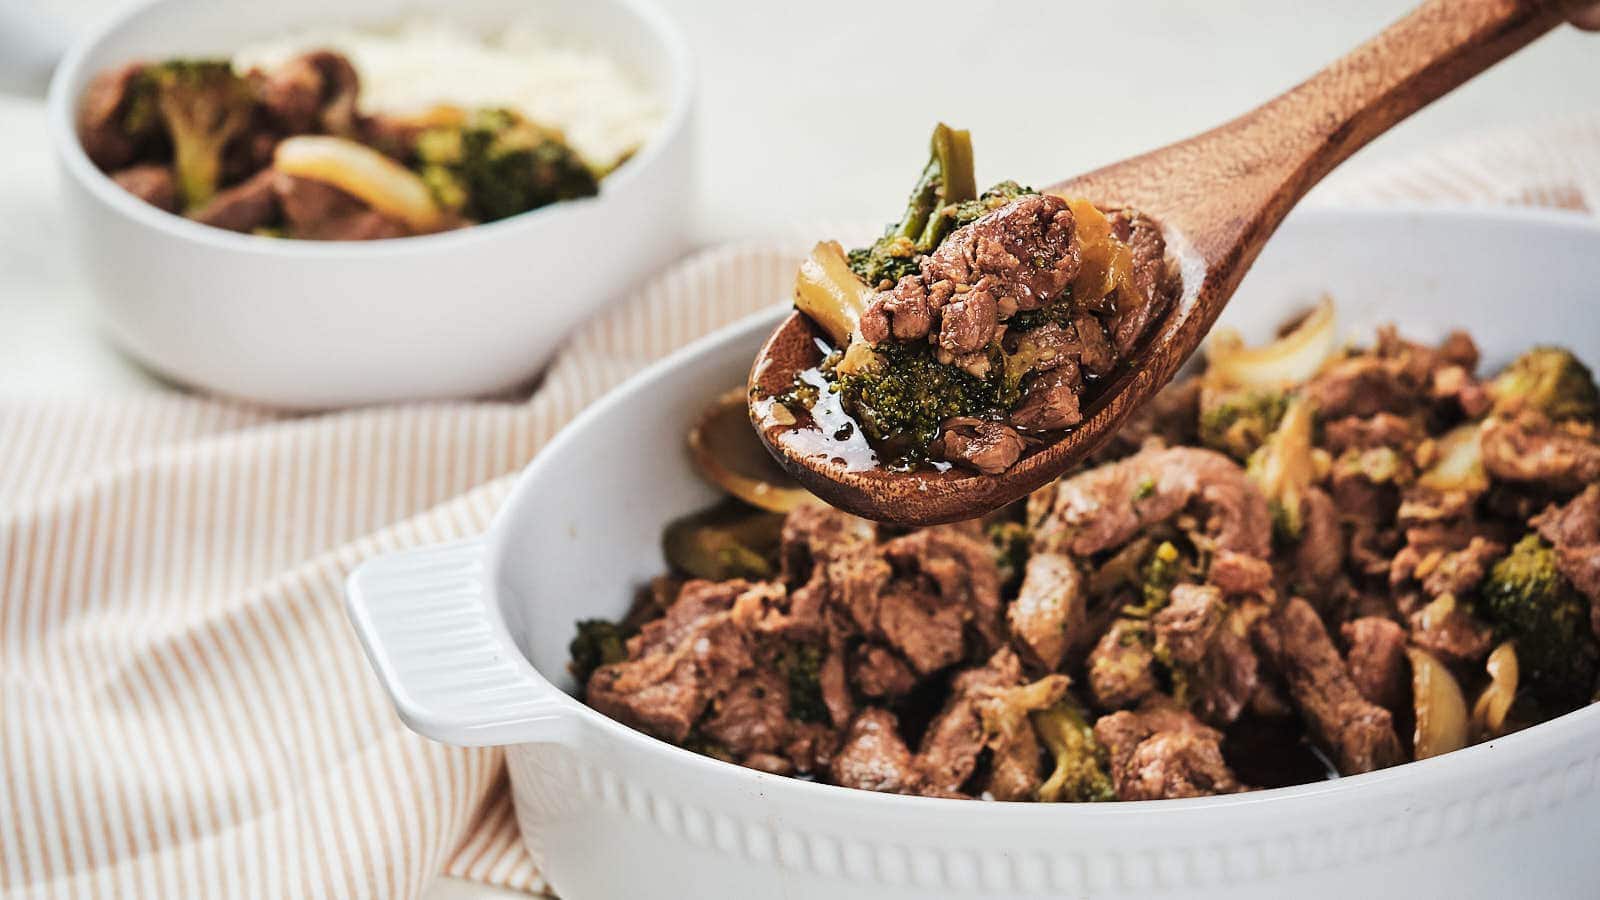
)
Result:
{"points": [[987, 342]]}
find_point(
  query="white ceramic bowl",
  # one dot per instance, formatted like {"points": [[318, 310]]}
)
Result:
{"points": [[471, 638], [310, 324]]}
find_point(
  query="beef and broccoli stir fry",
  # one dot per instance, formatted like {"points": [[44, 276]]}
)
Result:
{"points": [[286, 153], [975, 326], [1307, 560]]}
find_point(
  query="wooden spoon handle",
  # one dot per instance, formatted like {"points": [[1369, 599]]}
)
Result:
{"points": [[1231, 186]]}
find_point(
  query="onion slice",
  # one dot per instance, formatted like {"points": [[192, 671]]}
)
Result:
{"points": [[1441, 708], [364, 173], [729, 454]]}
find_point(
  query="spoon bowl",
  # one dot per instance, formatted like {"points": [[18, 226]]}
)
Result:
{"points": [[1218, 196]]}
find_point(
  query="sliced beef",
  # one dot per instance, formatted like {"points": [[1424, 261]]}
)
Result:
{"points": [[950, 747], [1357, 733], [979, 444], [1383, 429], [1107, 506], [1449, 631], [1240, 574], [1019, 257], [1152, 281], [676, 663], [1163, 752], [1376, 659], [1013, 745], [1050, 401], [244, 207], [313, 210], [1122, 665], [1197, 636], [153, 183], [873, 757], [1532, 449], [109, 139], [834, 568], [877, 672], [1319, 554], [960, 566], [1360, 386], [1574, 531], [313, 92], [1048, 615]]}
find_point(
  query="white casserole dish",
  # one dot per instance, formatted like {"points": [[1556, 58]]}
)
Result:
{"points": [[470, 639], [309, 324]]}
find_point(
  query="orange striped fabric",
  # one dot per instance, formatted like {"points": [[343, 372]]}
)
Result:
{"points": [[183, 707]]}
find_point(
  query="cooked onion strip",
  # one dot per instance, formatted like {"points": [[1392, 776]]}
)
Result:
{"points": [[830, 293], [1489, 713], [1441, 708], [1290, 360], [729, 454], [364, 173]]}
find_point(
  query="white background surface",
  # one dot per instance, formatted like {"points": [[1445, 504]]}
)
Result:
{"points": [[820, 110]]}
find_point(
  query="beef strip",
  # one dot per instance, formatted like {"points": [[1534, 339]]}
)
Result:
{"points": [[101, 127], [676, 663], [955, 737], [1048, 615], [1530, 448], [1009, 735], [1376, 659], [985, 446], [153, 183], [1357, 733], [873, 757], [1050, 401], [877, 672], [1021, 256], [1107, 506], [1198, 636], [1319, 555], [1163, 752], [244, 207], [1122, 665], [1151, 278], [1382, 429], [1573, 530], [313, 92], [313, 210]]}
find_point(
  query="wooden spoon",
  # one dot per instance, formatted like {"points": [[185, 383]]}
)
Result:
{"points": [[1219, 196]]}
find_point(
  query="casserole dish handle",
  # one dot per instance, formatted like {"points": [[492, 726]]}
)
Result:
{"points": [[430, 630]]}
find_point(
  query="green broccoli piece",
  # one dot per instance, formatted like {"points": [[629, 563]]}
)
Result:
{"points": [[900, 401], [204, 107], [945, 180], [599, 642], [962, 214], [1079, 774], [801, 668], [1238, 422], [1550, 380], [1165, 568], [1529, 602], [497, 164]]}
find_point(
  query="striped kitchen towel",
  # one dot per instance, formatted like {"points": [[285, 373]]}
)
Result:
{"points": [[184, 710]]}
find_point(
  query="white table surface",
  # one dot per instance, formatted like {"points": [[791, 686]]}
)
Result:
{"points": [[798, 121]]}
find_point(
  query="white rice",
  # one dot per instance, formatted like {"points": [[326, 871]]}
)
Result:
{"points": [[604, 111]]}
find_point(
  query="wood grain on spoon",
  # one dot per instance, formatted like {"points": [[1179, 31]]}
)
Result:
{"points": [[1219, 196]]}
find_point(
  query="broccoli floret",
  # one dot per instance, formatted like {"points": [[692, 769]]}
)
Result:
{"points": [[962, 214], [203, 106], [1237, 422], [946, 180], [801, 668], [1165, 567], [1530, 602], [1079, 774], [599, 642], [1550, 380], [497, 164], [901, 399]]}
